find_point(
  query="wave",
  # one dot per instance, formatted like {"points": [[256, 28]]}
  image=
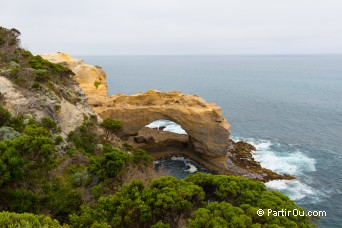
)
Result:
{"points": [[187, 163], [287, 160], [169, 126]]}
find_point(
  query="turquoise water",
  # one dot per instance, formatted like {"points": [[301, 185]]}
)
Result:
{"points": [[289, 107]]}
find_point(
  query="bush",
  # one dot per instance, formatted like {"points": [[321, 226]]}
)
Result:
{"points": [[22, 200], [96, 190], [5, 116], [37, 147], [36, 85], [11, 220], [203, 200], [110, 126], [49, 123], [57, 108], [58, 140], [8, 133], [141, 157], [84, 137], [96, 84], [17, 123], [109, 165], [11, 164], [127, 146], [61, 198]]}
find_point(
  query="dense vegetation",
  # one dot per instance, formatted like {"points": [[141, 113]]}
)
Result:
{"points": [[32, 72], [84, 179]]}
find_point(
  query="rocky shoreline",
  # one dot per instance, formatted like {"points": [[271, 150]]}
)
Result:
{"points": [[239, 158]]}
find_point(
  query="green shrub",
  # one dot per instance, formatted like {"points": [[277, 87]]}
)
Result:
{"points": [[160, 224], [96, 84], [60, 198], [127, 146], [110, 126], [35, 85], [11, 164], [14, 220], [8, 133], [203, 200], [37, 147], [141, 157], [17, 123], [58, 140], [109, 165], [49, 123], [58, 108], [22, 200], [96, 190], [5, 116], [84, 138], [20, 81]]}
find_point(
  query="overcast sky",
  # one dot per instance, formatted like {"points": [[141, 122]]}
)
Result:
{"points": [[115, 27]]}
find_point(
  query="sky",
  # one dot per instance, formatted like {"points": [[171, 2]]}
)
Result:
{"points": [[177, 27]]}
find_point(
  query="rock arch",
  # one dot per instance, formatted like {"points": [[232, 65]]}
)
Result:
{"points": [[204, 123]]}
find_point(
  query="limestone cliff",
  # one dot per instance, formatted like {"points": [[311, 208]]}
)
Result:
{"points": [[207, 129], [92, 79], [44, 102]]}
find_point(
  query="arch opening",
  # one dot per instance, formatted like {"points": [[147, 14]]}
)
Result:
{"points": [[163, 138], [167, 125]]}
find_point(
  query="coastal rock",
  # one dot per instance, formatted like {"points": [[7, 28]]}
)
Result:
{"points": [[207, 141], [198, 118], [38, 104], [91, 79], [204, 123]]}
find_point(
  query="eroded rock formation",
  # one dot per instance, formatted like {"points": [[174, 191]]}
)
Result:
{"points": [[207, 141], [204, 123], [43, 103]]}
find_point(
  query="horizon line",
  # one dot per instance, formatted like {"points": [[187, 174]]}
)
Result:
{"points": [[228, 55]]}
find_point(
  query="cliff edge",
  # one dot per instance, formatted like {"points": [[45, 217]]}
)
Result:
{"points": [[207, 129]]}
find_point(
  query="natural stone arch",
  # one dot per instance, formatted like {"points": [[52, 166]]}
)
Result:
{"points": [[204, 123]]}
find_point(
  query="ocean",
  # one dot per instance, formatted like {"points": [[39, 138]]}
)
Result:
{"points": [[288, 107]]}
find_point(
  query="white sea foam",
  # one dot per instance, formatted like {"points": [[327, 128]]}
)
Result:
{"points": [[169, 126], [273, 156], [187, 162], [192, 168], [295, 189]]}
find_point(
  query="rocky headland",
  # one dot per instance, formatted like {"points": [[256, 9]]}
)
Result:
{"points": [[207, 140]]}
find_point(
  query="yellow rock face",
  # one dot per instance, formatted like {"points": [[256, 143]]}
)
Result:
{"points": [[208, 130], [91, 79]]}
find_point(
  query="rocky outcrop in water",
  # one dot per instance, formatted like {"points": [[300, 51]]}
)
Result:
{"points": [[207, 140], [204, 123]]}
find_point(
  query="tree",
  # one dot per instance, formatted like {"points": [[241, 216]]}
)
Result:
{"points": [[220, 215], [111, 126], [5, 116], [9, 43], [11, 164], [109, 165]]}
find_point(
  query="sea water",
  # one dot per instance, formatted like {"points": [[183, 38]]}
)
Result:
{"points": [[288, 107]]}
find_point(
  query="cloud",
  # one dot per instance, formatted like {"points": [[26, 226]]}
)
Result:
{"points": [[177, 26]]}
